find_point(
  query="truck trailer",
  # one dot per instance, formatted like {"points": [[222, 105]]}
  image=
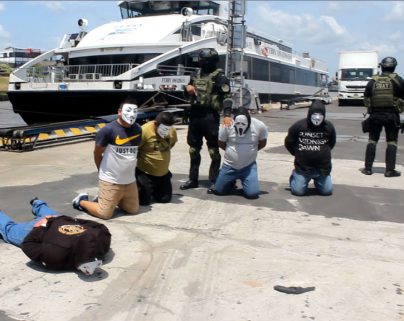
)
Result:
{"points": [[354, 71]]}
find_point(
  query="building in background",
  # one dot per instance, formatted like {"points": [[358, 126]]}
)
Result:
{"points": [[16, 57]]}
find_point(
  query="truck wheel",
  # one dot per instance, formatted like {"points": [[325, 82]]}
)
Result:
{"points": [[341, 102]]}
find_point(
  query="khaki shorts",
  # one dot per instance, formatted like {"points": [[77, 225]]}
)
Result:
{"points": [[111, 195]]}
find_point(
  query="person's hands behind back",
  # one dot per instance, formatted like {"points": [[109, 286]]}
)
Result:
{"points": [[191, 90], [228, 121]]}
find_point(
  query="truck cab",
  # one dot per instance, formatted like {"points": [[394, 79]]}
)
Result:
{"points": [[356, 68]]}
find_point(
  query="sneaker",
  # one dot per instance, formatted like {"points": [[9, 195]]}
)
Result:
{"points": [[31, 202], [392, 173], [189, 184], [76, 201], [366, 171], [211, 189]]}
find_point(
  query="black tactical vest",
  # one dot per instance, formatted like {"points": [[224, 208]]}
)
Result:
{"points": [[207, 98], [383, 91]]}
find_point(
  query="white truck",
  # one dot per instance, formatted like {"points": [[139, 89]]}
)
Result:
{"points": [[354, 71]]}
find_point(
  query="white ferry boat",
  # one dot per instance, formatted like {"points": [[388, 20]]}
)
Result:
{"points": [[149, 55]]}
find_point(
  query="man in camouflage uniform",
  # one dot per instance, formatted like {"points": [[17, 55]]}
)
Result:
{"points": [[206, 91], [384, 98]]}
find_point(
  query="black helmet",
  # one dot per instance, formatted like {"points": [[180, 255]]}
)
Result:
{"points": [[388, 63], [208, 59]]}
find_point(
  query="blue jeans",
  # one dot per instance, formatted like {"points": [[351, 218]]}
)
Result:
{"points": [[15, 233], [248, 176], [299, 182]]}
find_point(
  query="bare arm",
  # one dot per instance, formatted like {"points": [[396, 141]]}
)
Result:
{"points": [[262, 143], [98, 153]]}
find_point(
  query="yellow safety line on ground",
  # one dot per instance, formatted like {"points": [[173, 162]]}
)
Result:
{"points": [[43, 136], [76, 131], [60, 132], [90, 129], [54, 134]]}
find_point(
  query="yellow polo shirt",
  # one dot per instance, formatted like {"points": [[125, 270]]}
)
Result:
{"points": [[154, 151]]}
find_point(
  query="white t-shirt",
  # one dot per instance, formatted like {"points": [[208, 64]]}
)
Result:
{"points": [[242, 151], [120, 156]]}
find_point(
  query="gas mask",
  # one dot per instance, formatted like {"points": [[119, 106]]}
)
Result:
{"points": [[163, 130], [317, 119], [88, 268], [129, 113], [241, 125]]}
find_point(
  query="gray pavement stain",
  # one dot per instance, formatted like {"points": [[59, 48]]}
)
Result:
{"points": [[4, 317], [375, 205]]}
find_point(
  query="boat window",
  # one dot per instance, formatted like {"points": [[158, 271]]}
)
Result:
{"points": [[305, 77], [356, 73], [260, 69], [291, 75], [112, 59], [150, 8], [276, 73]]}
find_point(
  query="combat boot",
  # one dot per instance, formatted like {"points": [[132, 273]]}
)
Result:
{"points": [[369, 159], [189, 184], [392, 173], [366, 171], [391, 152]]}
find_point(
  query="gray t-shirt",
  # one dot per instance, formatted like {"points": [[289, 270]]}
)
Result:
{"points": [[120, 156], [242, 151]]}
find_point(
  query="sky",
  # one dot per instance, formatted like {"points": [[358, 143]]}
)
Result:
{"points": [[321, 28]]}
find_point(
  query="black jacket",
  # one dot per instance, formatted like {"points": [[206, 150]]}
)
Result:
{"points": [[67, 242], [311, 145]]}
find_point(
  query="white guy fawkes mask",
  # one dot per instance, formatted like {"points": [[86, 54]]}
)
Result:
{"points": [[241, 125], [317, 119], [129, 113], [88, 268], [163, 130]]}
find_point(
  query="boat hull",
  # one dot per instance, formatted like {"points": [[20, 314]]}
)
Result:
{"points": [[54, 106]]}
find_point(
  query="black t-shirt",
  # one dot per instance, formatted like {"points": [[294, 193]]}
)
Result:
{"points": [[66, 242]]}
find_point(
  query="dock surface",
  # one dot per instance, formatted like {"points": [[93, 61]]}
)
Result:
{"points": [[204, 257]]}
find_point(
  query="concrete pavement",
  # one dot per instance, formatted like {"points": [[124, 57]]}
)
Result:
{"points": [[204, 257]]}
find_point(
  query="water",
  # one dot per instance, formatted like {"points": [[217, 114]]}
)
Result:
{"points": [[7, 116]]}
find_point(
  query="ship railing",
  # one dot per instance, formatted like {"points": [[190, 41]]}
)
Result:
{"points": [[305, 60], [179, 70], [191, 32], [52, 74]]}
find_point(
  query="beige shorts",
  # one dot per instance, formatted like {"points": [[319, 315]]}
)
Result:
{"points": [[111, 195]]}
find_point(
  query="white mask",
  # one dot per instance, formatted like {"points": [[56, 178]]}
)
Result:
{"points": [[129, 113], [317, 119], [89, 267], [241, 125], [163, 130]]}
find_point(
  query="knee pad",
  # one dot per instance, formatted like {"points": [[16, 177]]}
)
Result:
{"points": [[193, 151], [372, 142], [214, 153]]}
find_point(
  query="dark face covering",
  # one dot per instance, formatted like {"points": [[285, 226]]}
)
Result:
{"points": [[207, 66], [316, 113]]}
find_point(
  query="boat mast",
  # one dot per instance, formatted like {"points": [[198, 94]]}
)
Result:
{"points": [[235, 46]]}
